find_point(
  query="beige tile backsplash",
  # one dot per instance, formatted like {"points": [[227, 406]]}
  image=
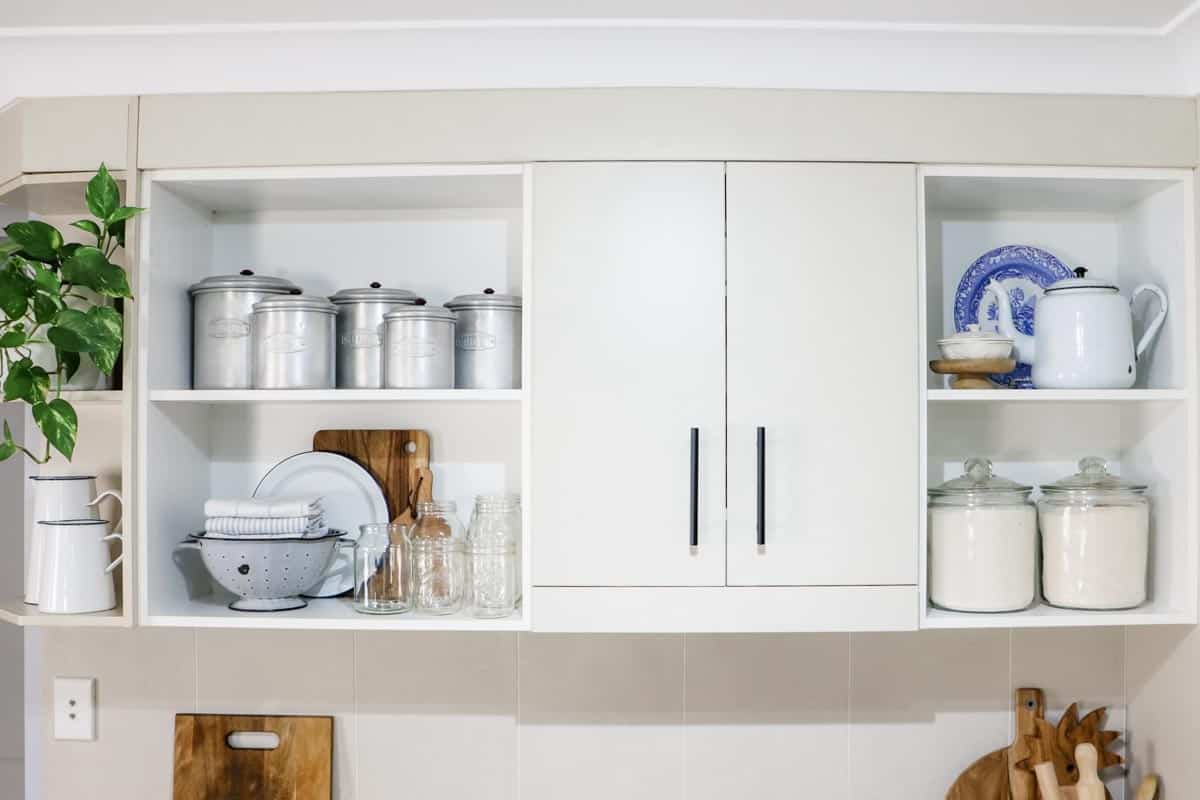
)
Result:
{"points": [[507, 716]]}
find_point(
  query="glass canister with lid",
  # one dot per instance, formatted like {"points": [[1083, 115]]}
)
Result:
{"points": [[982, 542], [1095, 539]]}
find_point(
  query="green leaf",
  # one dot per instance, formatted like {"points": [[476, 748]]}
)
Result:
{"points": [[88, 267], [121, 214], [87, 225], [58, 424], [8, 247], [46, 279], [13, 338], [38, 240], [15, 288], [72, 332], [103, 196], [7, 447], [69, 363], [26, 381], [117, 231], [108, 328], [45, 306]]}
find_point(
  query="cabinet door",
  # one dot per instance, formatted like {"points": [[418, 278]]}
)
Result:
{"points": [[824, 355], [628, 355]]}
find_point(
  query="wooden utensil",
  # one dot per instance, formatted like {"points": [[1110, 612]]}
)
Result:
{"points": [[391, 456], [1087, 760], [207, 767], [972, 373], [1149, 788]]}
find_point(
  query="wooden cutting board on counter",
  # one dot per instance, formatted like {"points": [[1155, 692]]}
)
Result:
{"points": [[393, 457], [207, 767]]}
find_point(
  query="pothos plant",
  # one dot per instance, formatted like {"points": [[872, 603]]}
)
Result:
{"points": [[47, 326]]}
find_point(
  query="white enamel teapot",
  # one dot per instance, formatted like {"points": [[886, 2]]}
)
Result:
{"points": [[1083, 333]]}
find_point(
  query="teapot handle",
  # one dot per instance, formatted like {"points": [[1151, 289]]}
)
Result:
{"points": [[1156, 323]]}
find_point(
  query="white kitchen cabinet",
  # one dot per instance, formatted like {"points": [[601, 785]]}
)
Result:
{"points": [[823, 356], [628, 357], [65, 134]]}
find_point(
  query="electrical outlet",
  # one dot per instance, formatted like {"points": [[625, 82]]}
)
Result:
{"points": [[75, 709]]}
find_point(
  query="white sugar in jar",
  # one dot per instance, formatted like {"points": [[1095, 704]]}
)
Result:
{"points": [[1095, 540], [982, 542]]}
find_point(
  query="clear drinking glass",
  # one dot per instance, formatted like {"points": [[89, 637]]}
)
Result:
{"points": [[494, 556], [437, 555], [381, 565]]}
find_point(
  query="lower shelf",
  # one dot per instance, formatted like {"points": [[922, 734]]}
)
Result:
{"points": [[17, 612], [1044, 616], [327, 614]]}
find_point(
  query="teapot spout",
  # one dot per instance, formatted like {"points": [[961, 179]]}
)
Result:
{"points": [[1023, 346]]}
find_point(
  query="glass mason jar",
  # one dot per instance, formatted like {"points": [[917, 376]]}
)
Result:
{"points": [[1095, 539], [494, 556], [982, 542], [381, 569], [438, 559]]}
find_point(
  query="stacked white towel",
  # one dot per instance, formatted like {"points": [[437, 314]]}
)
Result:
{"points": [[264, 517]]}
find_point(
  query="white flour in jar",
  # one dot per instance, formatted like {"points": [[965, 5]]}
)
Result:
{"points": [[982, 558], [1095, 557]]}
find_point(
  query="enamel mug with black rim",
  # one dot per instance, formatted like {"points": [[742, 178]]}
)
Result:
{"points": [[487, 342]]}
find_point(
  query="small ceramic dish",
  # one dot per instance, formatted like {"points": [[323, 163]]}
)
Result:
{"points": [[975, 344]]}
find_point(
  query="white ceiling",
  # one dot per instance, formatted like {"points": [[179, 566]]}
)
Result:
{"points": [[1125, 14]]}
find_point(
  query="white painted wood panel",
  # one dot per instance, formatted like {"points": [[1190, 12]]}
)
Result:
{"points": [[69, 134], [729, 609], [628, 267], [823, 353], [663, 124]]}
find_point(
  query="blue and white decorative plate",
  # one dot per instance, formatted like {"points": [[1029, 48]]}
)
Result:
{"points": [[1024, 272]]}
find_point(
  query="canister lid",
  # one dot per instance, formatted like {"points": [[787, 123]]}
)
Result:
{"points": [[978, 478], [419, 311], [295, 302], [375, 293], [245, 281], [1093, 476], [1080, 281], [487, 299]]}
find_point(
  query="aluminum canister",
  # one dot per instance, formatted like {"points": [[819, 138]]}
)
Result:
{"points": [[222, 354], [360, 329], [487, 343], [293, 342], [420, 348]]}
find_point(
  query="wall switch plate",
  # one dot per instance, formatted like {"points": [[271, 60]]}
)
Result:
{"points": [[75, 709]]}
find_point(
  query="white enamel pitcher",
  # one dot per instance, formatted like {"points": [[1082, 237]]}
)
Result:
{"points": [[56, 498], [1083, 333]]}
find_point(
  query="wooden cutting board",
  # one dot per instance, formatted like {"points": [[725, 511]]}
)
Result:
{"points": [[393, 457], [300, 767]]}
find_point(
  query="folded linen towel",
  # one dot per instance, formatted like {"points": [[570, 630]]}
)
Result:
{"points": [[260, 525], [316, 534], [304, 506]]}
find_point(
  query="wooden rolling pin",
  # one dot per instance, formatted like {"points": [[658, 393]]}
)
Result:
{"points": [[1149, 788]]}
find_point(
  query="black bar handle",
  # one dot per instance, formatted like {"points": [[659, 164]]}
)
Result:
{"points": [[762, 487], [694, 539]]}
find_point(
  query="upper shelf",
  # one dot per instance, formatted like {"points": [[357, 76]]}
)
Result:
{"points": [[332, 395]]}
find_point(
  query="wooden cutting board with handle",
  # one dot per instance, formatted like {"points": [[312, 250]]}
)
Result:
{"points": [[212, 765], [393, 457]]}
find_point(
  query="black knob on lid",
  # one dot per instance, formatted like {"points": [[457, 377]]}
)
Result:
{"points": [[376, 285], [1080, 272], [247, 272], [489, 291], [420, 301]]}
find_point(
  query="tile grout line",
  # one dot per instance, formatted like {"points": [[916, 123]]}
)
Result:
{"points": [[683, 772], [1012, 722], [354, 700], [1125, 704], [517, 788], [849, 715], [195, 670]]}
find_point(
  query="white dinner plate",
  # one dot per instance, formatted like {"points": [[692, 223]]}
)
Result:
{"points": [[349, 496]]}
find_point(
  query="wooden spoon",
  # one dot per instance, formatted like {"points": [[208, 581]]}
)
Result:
{"points": [[1089, 787], [1149, 788]]}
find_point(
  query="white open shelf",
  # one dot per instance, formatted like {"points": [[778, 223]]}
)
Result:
{"points": [[334, 395], [102, 449], [1129, 226], [437, 231]]}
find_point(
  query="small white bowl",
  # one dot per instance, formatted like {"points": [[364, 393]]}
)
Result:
{"points": [[975, 347]]}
